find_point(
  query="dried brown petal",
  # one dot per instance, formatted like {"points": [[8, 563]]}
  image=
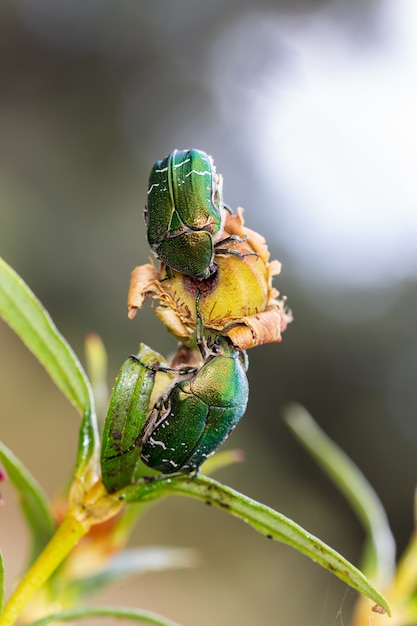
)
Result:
{"points": [[142, 285], [257, 330]]}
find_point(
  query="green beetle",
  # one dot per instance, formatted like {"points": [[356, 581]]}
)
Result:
{"points": [[190, 422], [185, 214]]}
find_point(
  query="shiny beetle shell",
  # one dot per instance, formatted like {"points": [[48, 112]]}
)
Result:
{"points": [[193, 420], [184, 212]]}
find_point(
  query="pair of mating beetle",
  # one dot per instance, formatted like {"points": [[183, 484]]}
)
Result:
{"points": [[200, 404]]}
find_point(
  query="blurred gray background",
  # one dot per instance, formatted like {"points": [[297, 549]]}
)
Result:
{"points": [[308, 109]]}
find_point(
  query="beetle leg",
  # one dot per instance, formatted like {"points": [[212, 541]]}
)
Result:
{"points": [[231, 238], [230, 251], [182, 371], [240, 255]]}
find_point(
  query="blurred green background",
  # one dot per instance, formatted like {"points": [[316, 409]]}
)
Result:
{"points": [[308, 109]]}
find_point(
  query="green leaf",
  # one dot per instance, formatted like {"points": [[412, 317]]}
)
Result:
{"points": [[20, 308], [35, 504], [380, 550], [221, 460], [1, 582], [135, 615], [96, 360], [130, 562], [126, 415], [265, 520]]}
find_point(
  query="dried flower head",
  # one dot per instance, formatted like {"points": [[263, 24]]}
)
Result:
{"points": [[238, 300]]}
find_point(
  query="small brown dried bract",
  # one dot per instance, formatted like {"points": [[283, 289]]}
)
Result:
{"points": [[378, 609], [141, 287]]}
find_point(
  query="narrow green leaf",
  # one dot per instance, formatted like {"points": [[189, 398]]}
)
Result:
{"points": [[221, 460], [20, 308], [1, 582], [134, 615], [34, 502], [265, 520], [126, 415], [380, 551], [130, 562], [88, 451], [96, 360]]}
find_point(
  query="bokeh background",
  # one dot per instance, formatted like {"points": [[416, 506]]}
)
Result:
{"points": [[308, 108]]}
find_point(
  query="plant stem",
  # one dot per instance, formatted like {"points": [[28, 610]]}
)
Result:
{"points": [[66, 537]]}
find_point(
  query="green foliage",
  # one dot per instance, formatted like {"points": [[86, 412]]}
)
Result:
{"points": [[34, 502], [132, 615], [23, 312], [129, 562], [379, 552], [263, 519], [20, 308]]}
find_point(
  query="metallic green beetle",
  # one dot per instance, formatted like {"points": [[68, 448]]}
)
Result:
{"points": [[185, 212], [189, 423]]}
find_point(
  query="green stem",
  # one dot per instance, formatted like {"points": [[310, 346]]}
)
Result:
{"points": [[66, 537]]}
